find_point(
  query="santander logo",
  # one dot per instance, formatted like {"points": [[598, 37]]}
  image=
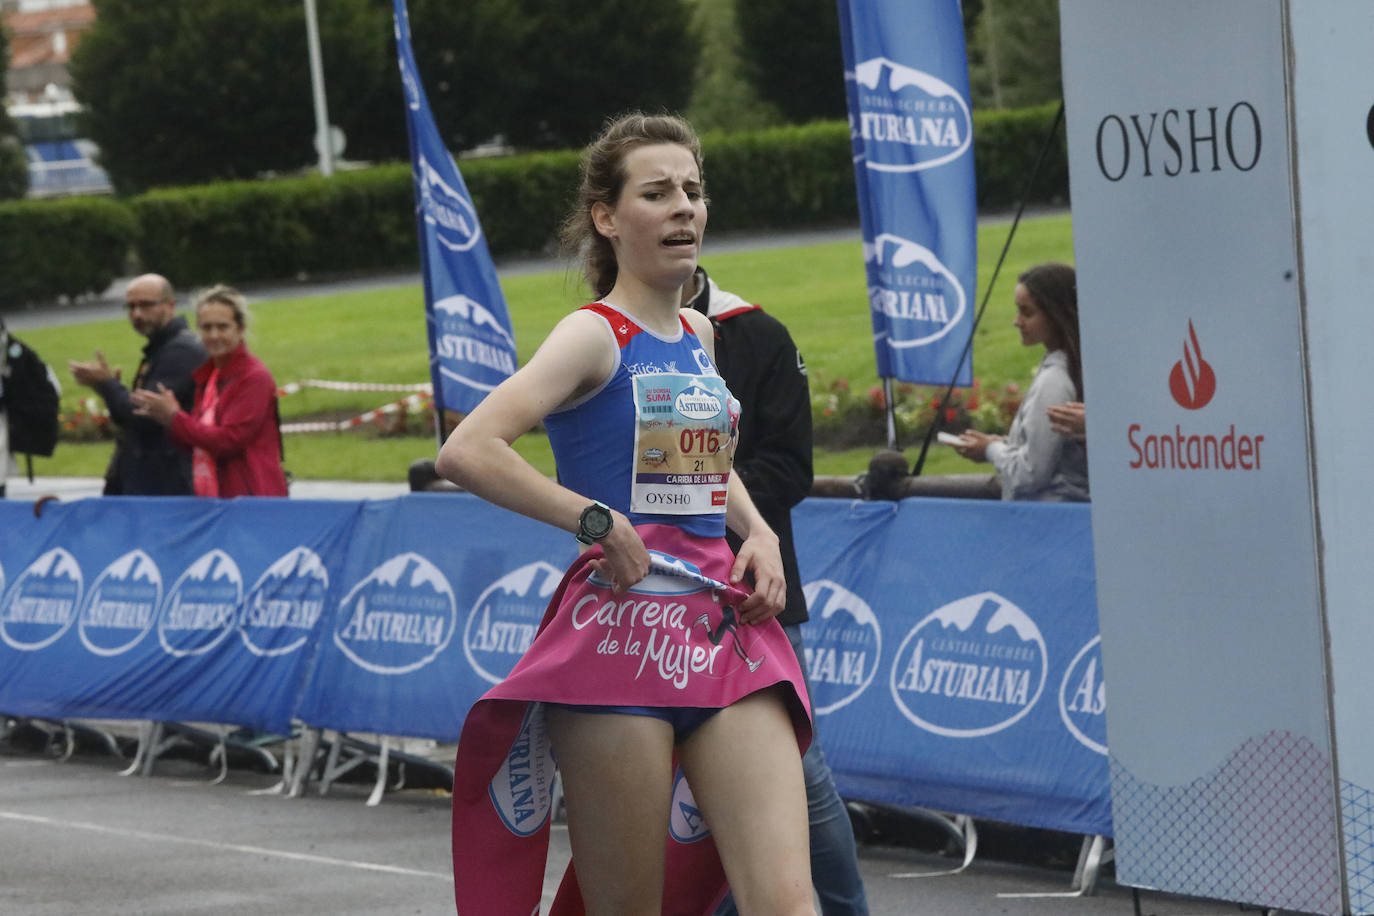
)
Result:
{"points": [[1212, 447], [1192, 382]]}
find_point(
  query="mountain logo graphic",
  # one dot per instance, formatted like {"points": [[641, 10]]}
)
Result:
{"points": [[844, 643], [685, 823], [447, 209], [1083, 698], [1192, 382], [202, 607], [284, 606], [121, 607], [504, 618], [917, 298], [475, 315], [42, 603], [971, 668], [908, 120], [696, 402], [399, 618], [521, 790]]}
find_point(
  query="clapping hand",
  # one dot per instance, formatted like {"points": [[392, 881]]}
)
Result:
{"points": [[94, 372], [160, 405]]}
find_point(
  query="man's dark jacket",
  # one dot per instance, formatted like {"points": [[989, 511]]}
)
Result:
{"points": [[764, 371], [146, 462]]}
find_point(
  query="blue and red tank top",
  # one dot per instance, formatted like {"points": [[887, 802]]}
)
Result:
{"points": [[657, 439]]}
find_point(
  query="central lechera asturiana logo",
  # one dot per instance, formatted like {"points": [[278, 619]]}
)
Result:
{"points": [[909, 122]]}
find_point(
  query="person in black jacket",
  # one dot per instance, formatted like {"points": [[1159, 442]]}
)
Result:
{"points": [[765, 372], [146, 462]]}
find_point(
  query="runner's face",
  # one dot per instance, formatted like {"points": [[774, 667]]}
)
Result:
{"points": [[657, 224], [219, 331]]}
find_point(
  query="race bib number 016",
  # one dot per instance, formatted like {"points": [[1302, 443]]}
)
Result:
{"points": [[684, 443]]}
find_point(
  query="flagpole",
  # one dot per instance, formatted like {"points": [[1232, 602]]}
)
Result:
{"points": [[322, 139], [891, 414]]}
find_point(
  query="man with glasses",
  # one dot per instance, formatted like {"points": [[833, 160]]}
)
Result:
{"points": [[146, 462]]}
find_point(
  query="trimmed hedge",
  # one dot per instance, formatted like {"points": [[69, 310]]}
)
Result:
{"points": [[1005, 145], [62, 248], [239, 232], [784, 176], [521, 200]]}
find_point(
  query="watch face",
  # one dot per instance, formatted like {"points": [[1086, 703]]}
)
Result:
{"points": [[596, 522]]}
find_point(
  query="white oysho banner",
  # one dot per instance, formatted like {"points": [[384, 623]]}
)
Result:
{"points": [[1333, 105], [1203, 512]]}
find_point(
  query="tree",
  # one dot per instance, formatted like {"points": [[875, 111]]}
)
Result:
{"points": [[466, 57], [1014, 53], [182, 91], [722, 98], [14, 165], [547, 75], [792, 55]]}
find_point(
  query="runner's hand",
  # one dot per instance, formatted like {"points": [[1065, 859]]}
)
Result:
{"points": [[626, 559], [760, 555]]}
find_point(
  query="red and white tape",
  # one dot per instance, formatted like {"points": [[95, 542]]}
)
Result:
{"points": [[417, 401], [293, 387]]}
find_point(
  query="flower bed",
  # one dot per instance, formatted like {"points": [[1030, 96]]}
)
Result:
{"points": [[844, 417]]}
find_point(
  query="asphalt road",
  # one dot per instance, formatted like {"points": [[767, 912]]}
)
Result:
{"points": [[76, 837]]}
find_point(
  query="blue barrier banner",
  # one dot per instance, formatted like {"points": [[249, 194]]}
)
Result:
{"points": [[952, 648], [471, 346], [953, 657], [441, 597], [168, 608], [906, 76]]}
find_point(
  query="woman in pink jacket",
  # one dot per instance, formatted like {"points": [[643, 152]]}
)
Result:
{"points": [[232, 431]]}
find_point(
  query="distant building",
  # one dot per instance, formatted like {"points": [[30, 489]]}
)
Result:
{"points": [[42, 35]]}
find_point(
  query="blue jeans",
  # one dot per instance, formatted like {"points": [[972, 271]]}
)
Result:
{"points": [[834, 858]]}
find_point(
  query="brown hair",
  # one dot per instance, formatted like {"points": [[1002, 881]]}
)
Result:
{"points": [[603, 178], [220, 294], [1054, 289]]}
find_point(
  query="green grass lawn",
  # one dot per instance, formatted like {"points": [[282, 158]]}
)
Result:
{"points": [[818, 291]]}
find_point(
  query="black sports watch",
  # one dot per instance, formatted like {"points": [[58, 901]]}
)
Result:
{"points": [[594, 523]]}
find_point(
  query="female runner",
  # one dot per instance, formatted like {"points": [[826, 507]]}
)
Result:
{"points": [[652, 651]]}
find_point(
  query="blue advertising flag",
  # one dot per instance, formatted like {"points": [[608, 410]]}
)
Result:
{"points": [[906, 76], [471, 347]]}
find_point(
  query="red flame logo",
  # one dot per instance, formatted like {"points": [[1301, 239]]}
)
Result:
{"points": [[1192, 382]]}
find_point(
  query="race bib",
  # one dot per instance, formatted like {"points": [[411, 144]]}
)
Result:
{"points": [[685, 436]]}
